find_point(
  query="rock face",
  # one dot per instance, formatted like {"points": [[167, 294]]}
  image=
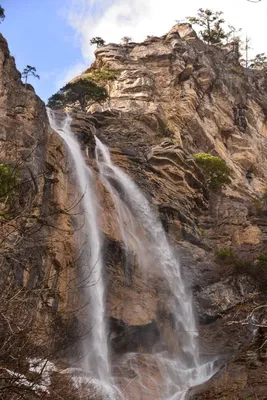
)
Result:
{"points": [[174, 96], [36, 251], [30, 146]]}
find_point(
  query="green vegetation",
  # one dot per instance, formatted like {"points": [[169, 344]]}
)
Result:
{"points": [[211, 22], [56, 101], [214, 32], [98, 41], [8, 181], [29, 71], [82, 91], [215, 169], [2, 14], [102, 75], [226, 256]]}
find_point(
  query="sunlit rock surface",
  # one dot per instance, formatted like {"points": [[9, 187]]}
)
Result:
{"points": [[174, 96]]}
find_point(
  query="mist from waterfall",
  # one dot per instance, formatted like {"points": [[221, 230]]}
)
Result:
{"points": [[143, 234], [95, 359]]}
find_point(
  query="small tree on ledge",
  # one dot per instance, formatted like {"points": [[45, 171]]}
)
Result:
{"points": [[82, 91], [29, 71], [98, 41], [126, 39], [215, 169]]}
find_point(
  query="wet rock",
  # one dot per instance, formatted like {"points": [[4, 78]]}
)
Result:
{"points": [[142, 339]]}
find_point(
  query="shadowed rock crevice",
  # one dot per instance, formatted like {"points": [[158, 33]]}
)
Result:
{"points": [[142, 338]]}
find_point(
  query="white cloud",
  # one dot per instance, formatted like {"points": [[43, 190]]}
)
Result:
{"points": [[113, 19], [70, 73]]}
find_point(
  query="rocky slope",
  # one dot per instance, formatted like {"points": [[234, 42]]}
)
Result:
{"points": [[174, 96]]}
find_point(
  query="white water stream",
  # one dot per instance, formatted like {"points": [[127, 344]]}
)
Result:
{"points": [[143, 235], [183, 368], [95, 359]]}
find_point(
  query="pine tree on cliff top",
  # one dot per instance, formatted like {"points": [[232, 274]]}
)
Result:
{"points": [[98, 41], [212, 24], [126, 39]]}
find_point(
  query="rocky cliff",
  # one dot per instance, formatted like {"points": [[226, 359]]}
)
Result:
{"points": [[38, 201], [36, 253], [174, 96]]}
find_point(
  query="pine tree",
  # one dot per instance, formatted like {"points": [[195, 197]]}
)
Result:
{"points": [[29, 71], [98, 41], [2, 14], [213, 32], [82, 91]]}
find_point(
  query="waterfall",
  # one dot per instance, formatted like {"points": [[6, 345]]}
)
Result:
{"points": [[144, 240], [143, 234], [95, 360]]}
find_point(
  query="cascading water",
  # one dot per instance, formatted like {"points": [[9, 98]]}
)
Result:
{"points": [[95, 348], [143, 235], [183, 368]]}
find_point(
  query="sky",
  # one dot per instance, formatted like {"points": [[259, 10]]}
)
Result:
{"points": [[54, 35]]}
